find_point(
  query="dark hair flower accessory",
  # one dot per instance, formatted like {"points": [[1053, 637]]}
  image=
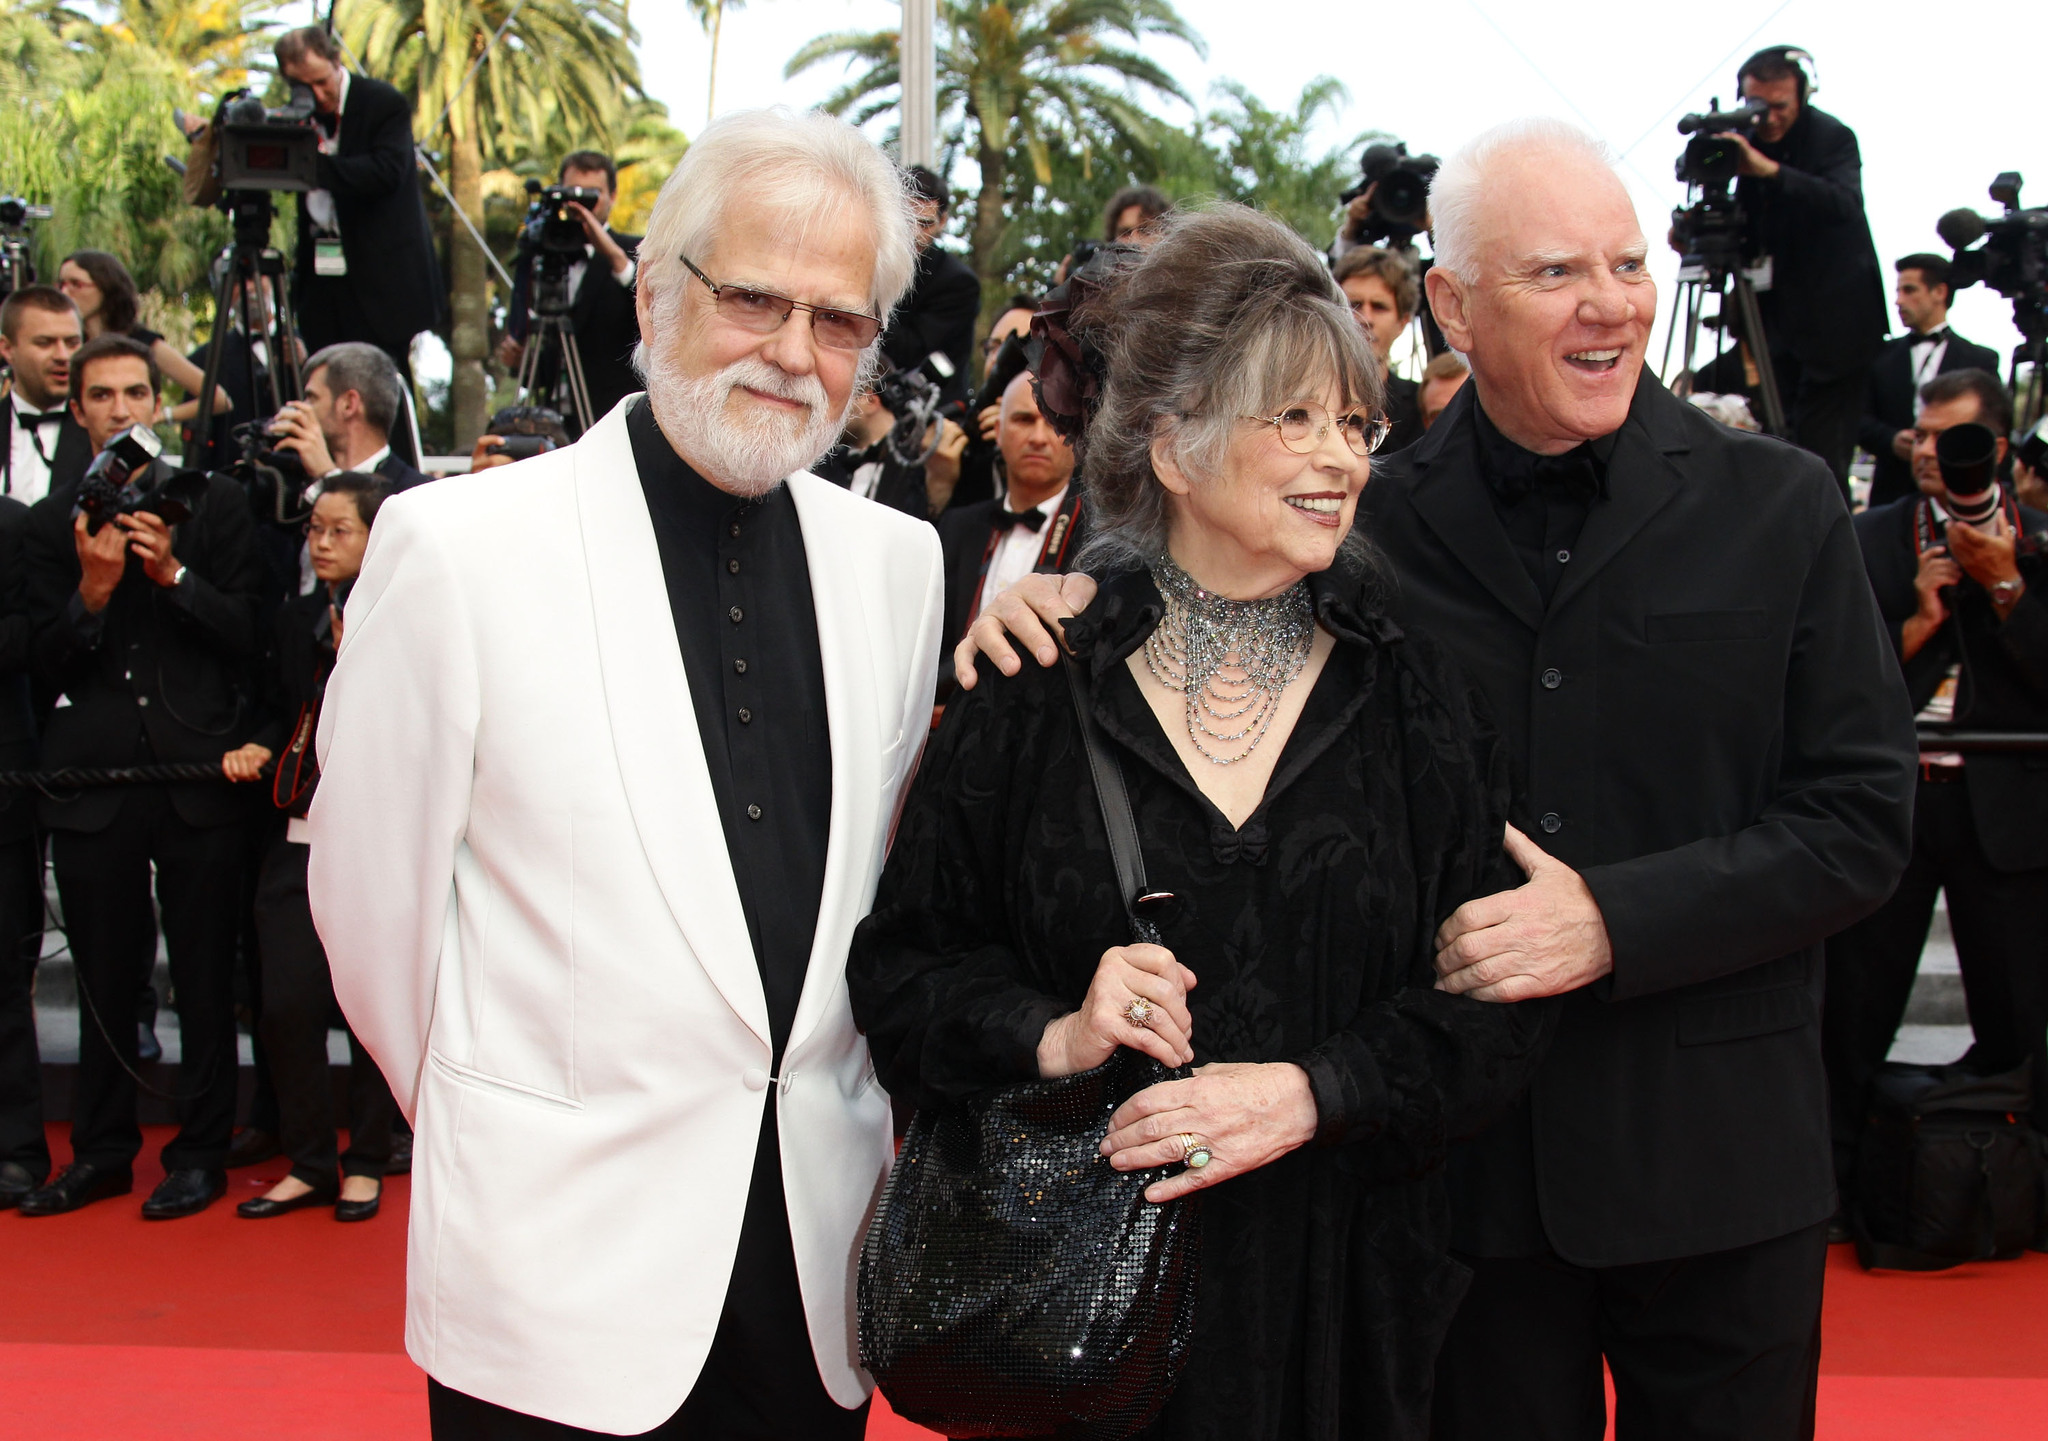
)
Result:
{"points": [[1068, 369]]}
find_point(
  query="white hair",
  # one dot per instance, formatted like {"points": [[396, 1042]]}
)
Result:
{"points": [[1457, 192], [804, 165]]}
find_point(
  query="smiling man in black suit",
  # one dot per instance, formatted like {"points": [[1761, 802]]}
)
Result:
{"points": [[1927, 349]]}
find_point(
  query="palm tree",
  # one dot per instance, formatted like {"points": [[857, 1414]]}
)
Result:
{"points": [[555, 62], [209, 40], [1017, 79], [711, 15]]}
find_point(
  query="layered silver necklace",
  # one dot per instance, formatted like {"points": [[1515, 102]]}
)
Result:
{"points": [[1230, 659]]}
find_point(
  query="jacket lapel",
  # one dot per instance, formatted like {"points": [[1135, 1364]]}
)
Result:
{"points": [[1640, 482], [854, 715], [654, 724], [1452, 499]]}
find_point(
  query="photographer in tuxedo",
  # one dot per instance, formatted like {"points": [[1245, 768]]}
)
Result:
{"points": [[365, 267], [601, 296], [44, 445], [1891, 402], [146, 633], [660, 691], [1672, 628]]}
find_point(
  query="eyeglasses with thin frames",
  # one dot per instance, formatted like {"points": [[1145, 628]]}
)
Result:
{"points": [[764, 312], [1302, 425]]}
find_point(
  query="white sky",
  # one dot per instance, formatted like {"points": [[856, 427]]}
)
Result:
{"points": [[1942, 101]]}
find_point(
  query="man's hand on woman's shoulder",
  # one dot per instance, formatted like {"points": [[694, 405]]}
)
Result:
{"points": [[1029, 613]]}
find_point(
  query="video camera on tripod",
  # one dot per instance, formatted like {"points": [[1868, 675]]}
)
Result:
{"points": [[1400, 193], [1710, 233], [2013, 260], [552, 240], [16, 268]]}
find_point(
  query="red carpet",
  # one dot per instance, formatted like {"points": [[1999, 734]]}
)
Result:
{"points": [[219, 1329]]}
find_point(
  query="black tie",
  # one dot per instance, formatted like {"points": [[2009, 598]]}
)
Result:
{"points": [[1030, 519]]}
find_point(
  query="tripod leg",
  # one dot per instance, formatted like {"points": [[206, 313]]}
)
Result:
{"points": [[579, 390], [1760, 351], [202, 423], [286, 380]]}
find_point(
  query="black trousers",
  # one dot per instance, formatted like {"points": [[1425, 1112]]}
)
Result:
{"points": [[1821, 411], [22, 1139], [328, 314], [760, 1381], [1723, 1347], [1997, 918], [298, 1003], [103, 880]]}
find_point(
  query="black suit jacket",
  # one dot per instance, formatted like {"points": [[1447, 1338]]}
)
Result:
{"points": [[1888, 407], [2003, 685], [900, 487], [161, 674], [18, 747], [937, 315], [1708, 725], [398, 475], [393, 283], [965, 533], [606, 327], [68, 460], [1404, 408]]}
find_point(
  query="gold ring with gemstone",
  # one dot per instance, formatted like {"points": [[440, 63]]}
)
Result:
{"points": [[1139, 1012], [1194, 1151]]}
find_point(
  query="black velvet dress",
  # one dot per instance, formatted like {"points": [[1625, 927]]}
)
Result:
{"points": [[1325, 1283]]}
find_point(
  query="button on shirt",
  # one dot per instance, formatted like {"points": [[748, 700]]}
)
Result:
{"points": [[1016, 554], [739, 590]]}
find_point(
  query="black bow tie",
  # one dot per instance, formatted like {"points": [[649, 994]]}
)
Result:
{"points": [[48, 417], [1933, 337], [1033, 519]]}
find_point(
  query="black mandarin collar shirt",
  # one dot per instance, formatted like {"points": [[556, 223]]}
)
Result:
{"points": [[1542, 500], [739, 590]]}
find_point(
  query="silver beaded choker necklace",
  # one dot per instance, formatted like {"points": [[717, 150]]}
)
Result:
{"points": [[1230, 659]]}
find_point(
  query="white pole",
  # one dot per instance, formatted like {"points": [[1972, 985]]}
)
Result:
{"points": [[920, 83]]}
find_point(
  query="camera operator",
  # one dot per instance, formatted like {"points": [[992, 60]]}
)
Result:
{"points": [[1037, 526], [1383, 291], [1892, 393], [44, 446], [1964, 590], [1801, 188], [937, 317], [865, 463], [365, 267], [147, 631], [601, 295]]}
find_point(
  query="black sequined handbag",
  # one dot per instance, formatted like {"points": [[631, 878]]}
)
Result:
{"points": [[1013, 1283]]}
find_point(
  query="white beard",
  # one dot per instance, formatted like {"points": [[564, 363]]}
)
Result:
{"points": [[751, 455]]}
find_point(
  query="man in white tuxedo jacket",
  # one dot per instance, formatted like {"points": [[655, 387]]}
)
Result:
{"points": [[609, 764]]}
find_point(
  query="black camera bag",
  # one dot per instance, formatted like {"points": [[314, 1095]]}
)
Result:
{"points": [[1948, 1169]]}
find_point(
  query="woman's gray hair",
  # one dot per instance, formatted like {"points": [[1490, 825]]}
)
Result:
{"points": [[804, 166], [1229, 315], [1460, 185]]}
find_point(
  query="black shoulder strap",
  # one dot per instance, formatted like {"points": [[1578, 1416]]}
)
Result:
{"points": [[1116, 807]]}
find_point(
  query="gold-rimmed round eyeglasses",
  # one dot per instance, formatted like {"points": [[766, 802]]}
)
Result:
{"points": [[1302, 424], [764, 312]]}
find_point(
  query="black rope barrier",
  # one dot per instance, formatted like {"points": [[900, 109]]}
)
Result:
{"points": [[74, 778], [1984, 742]]}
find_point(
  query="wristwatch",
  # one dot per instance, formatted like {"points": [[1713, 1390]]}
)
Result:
{"points": [[2005, 592]]}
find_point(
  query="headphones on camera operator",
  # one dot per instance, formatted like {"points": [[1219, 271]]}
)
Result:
{"points": [[1806, 69]]}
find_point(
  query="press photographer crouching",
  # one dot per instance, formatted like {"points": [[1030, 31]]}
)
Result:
{"points": [[596, 271], [143, 582], [297, 991], [1959, 576]]}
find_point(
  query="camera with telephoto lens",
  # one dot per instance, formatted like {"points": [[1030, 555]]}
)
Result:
{"points": [[528, 430], [16, 268], [274, 479], [123, 480], [1400, 193], [269, 147], [550, 227], [1968, 457], [2032, 450], [1709, 157], [2013, 260], [914, 400]]}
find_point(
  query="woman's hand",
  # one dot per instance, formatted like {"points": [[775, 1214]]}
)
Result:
{"points": [[245, 764], [1247, 1115], [1082, 1040]]}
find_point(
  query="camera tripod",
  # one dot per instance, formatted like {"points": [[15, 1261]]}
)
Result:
{"points": [[248, 261], [1711, 230], [549, 333]]}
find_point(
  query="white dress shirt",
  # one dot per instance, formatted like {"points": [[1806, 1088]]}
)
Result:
{"points": [[1016, 554], [320, 203], [1926, 353], [30, 451]]}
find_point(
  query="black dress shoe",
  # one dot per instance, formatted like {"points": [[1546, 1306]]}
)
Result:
{"points": [[16, 1181], [251, 1147], [184, 1192], [358, 1210], [77, 1185], [400, 1163], [263, 1208]]}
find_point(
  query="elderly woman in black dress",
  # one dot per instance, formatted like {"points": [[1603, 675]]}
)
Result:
{"points": [[1317, 787]]}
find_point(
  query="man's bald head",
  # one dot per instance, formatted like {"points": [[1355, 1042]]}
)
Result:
{"points": [[1542, 281], [1037, 461]]}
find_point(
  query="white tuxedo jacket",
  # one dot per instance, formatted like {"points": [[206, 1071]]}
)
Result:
{"points": [[522, 884]]}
